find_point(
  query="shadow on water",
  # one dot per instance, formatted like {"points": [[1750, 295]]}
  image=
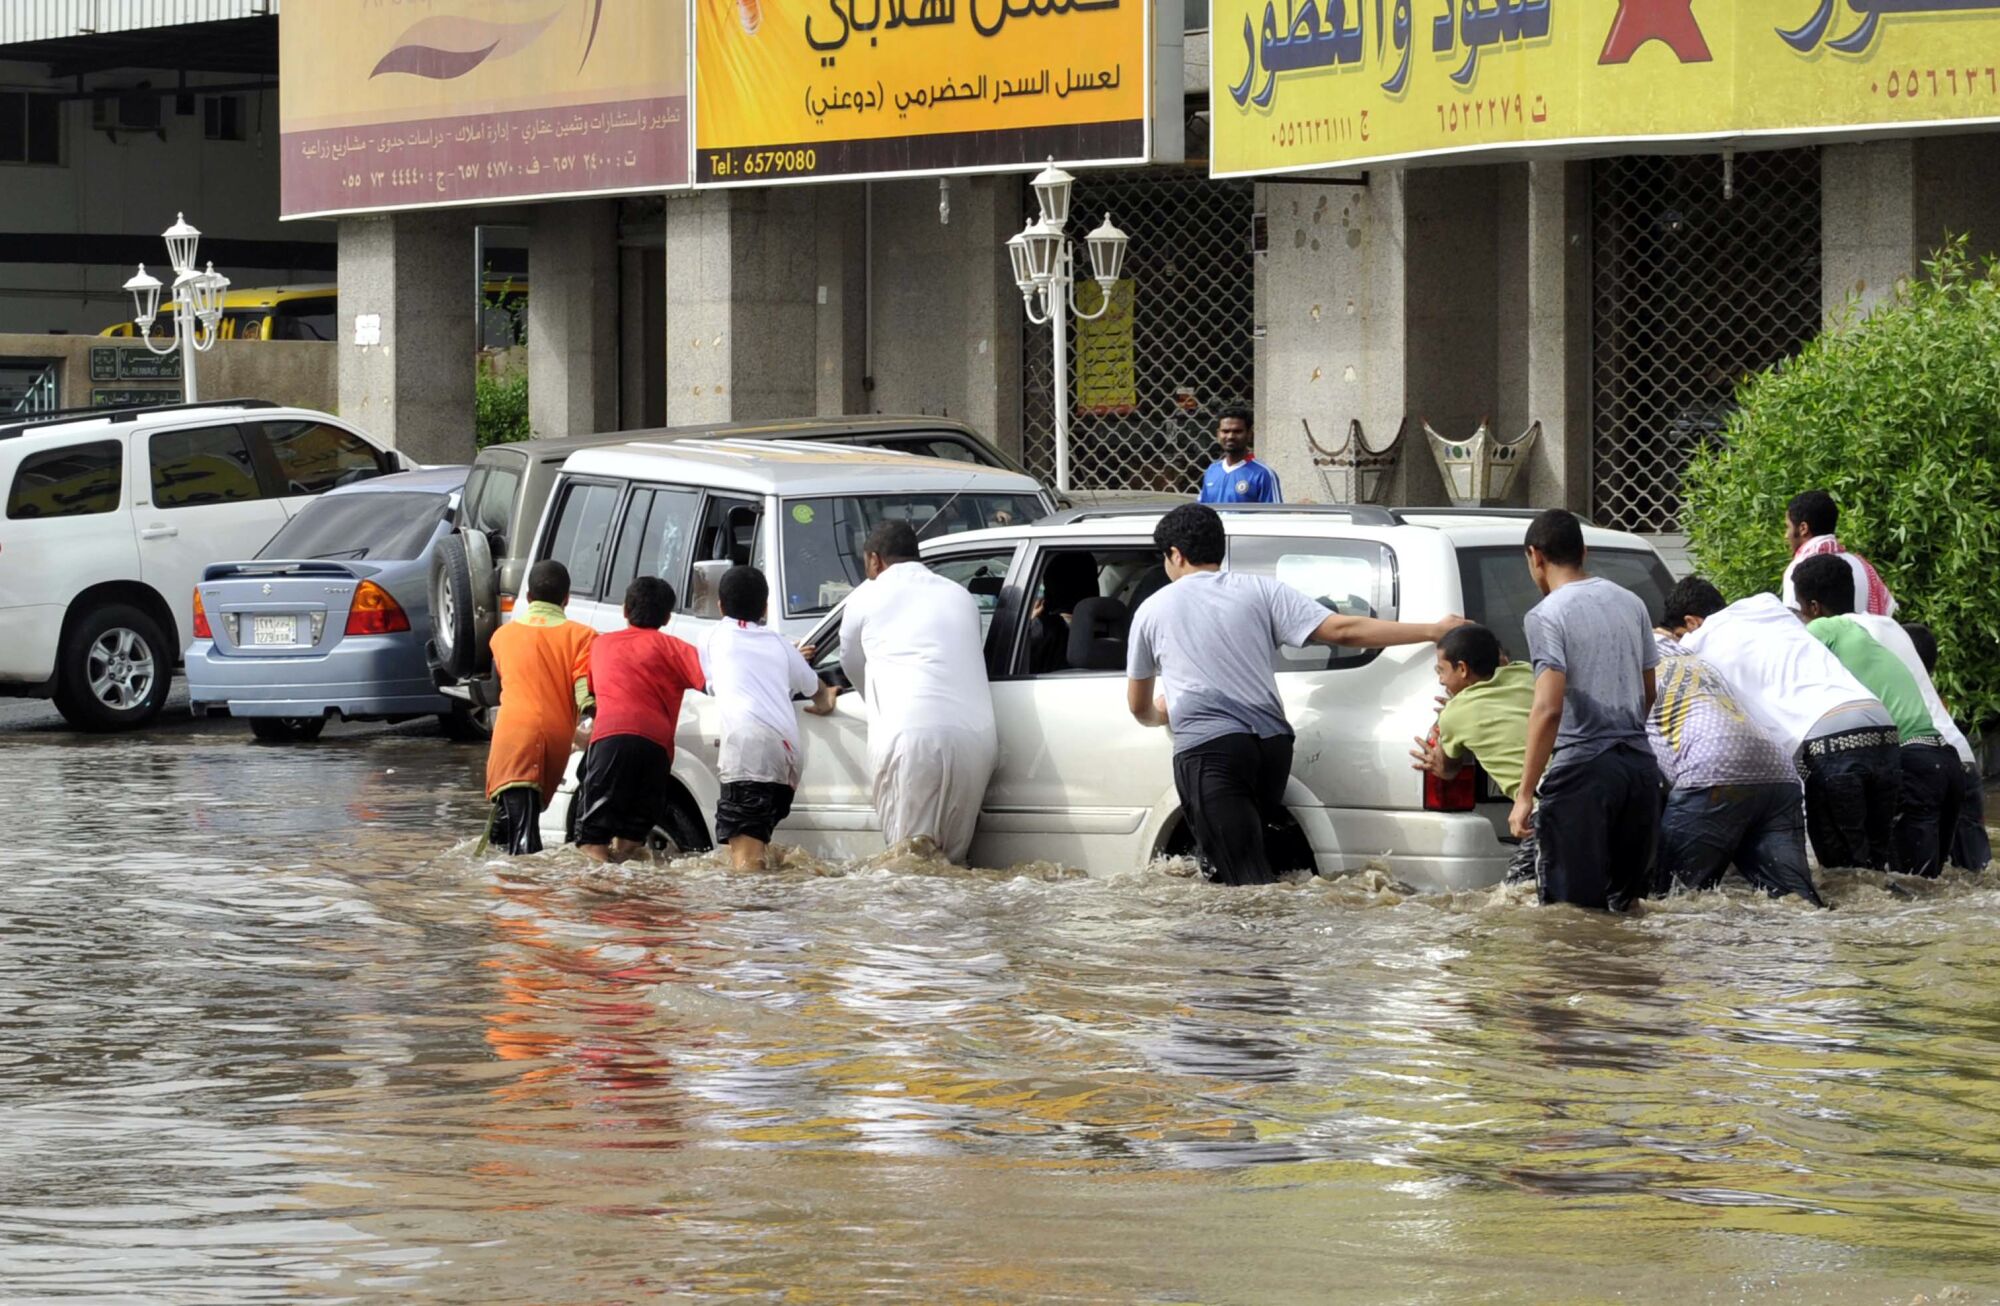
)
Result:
{"points": [[273, 1031]]}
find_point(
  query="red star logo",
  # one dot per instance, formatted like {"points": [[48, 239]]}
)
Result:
{"points": [[1670, 21]]}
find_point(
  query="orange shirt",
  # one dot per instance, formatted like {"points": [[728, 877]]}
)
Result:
{"points": [[539, 658]]}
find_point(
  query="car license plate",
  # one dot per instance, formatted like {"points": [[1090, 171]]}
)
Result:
{"points": [[274, 630]]}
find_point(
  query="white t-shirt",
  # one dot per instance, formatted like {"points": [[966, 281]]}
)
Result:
{"points": [[1889, 633], [911, 643], [753, 673], [1783, 677]]}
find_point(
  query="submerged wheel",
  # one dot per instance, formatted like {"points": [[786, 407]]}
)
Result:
{"points": [[287, 729]]}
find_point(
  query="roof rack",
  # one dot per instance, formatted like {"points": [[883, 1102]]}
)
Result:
{"points": [[1361, 514], [1513, 514], [68, 416]]}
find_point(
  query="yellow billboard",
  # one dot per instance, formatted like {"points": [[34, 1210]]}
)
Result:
{"points": [[801, 89], [1300, 85], [399, 106]]}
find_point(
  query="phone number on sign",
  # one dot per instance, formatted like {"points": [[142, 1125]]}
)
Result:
{"points": [[762, 163]]}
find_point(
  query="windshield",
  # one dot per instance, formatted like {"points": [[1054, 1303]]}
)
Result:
{"points": [[1499, 591], [378, 527], [822, 538]]}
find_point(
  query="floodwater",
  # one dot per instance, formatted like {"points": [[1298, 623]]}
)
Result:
{"points": [[269, 1031]]}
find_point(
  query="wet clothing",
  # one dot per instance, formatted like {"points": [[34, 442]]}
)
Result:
{"points": [[1489, 722], [1596, 828], [1521, 866], [515, 827], [1786, 680], [751, 809], [913, 644], [1880, 672], [622, 789], [754, 673], [1870, 594], [1891, 635], [1854, 780], [1599, 635], [1760, 828], [1209, 637], [1232, 789], [639, 677], [1927, 816], [1971, 846], [1247, 482], [1701, 737], [541, 659]]}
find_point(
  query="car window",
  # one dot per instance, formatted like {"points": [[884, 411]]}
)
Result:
{"points": [[654, 539], [207, 465], [306, 319], [582, 530], [1067, 579], [1499, 591], [489, 503], [313, 457], [729, 531], [382, 527], [821, 538], [984, 576], [75, 481], [1356, 578]]}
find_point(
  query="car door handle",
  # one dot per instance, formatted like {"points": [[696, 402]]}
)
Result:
{"points": [[159, 533]]}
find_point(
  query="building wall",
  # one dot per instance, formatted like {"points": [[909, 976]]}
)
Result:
{"points": [[300, 373]]}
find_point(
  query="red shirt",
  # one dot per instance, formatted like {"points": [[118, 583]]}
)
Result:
{"points": [[638, 677]]}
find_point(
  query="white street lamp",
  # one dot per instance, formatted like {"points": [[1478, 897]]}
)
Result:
{"points": [[1044, 263], [197, 302]]}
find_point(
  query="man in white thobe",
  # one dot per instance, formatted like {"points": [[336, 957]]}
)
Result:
{"points": [[911, 645]]}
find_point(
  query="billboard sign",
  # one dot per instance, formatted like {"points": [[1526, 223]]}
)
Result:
{"points": [[1300, 85], [405, 106], [794, 90]]}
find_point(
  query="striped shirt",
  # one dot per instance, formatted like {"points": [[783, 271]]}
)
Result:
{"points": [[1700, 736]]}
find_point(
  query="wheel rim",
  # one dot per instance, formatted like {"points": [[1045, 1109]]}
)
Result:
{"points": [[121, 668], [447, 613]]}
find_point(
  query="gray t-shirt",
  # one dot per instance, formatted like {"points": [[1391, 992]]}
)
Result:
{"points": [[1600, 636], [1209, 637]]}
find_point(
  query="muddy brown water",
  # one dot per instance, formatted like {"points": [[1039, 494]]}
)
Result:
{"points": [[272, 1032]]}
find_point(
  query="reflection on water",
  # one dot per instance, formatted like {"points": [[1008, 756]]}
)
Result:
{"points": [[270, 1030]]}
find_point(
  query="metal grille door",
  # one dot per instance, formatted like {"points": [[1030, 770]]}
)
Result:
{"points": [[1691, 290], [1189, 262]]}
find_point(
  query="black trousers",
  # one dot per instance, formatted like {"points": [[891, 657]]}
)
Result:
{"points": [[516, 825], [1928, 816], [1851, 799], [1970, 846], [1232, 788], [1597, 826]]}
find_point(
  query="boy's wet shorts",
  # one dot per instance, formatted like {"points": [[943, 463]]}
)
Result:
{"points": [[753, 808]]}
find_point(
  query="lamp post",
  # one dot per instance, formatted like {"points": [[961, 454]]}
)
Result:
{"points": [[1045, 273], [197, 302]]}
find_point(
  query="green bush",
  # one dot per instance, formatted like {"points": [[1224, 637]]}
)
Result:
{"points": [[500, 407], [1898, 415]]}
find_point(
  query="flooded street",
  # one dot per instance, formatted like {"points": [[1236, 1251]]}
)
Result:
{"points": [[272, 1032]]}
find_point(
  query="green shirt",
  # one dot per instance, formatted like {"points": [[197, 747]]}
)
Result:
{"points": [[1489, 720], [1880, 672]]}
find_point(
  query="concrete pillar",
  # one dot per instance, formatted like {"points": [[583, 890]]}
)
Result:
{"points": [[1329, 308], [1451, 236], [409, 278], [840, 305], [741, 295], [573, 318], [1868, 223], [1552, 320]]}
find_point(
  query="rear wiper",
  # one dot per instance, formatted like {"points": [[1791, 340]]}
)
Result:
{"points": [[355, 554]]}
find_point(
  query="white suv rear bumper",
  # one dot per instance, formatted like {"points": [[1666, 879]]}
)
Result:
{"points": [[1437, 852]]}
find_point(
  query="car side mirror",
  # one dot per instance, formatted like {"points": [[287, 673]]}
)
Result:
{"points": [[705, 597]]}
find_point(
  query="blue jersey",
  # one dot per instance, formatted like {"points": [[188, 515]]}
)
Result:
{"points": [[1249, 482]]}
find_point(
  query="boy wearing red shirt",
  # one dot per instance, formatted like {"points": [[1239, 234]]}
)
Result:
{"points": [[638, 676]]}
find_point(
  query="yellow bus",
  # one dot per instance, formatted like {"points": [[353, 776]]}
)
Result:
{"points": [[312, 312]]}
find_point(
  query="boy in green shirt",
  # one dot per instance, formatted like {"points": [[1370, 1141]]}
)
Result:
{"points": [[1485, 718], [1932, 774]]}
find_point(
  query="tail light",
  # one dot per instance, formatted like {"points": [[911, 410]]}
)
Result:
{"points": [[506, 603], [201, 627], [1458, 794], [374, 612]]}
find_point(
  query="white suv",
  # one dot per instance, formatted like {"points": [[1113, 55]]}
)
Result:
{"points": [[111, 516], [1080, 783]]}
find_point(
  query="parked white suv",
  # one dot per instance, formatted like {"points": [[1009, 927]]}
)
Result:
{"points": [[1080, 783], [113, 514]]}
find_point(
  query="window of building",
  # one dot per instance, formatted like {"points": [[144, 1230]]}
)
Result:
{"points": [[210, 464], [313, 457], [72, 482], [222, 117], [30, 127]]}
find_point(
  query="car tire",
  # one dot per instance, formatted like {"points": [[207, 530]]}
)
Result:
{"points": [[113, 669], [287, 729], [464, 604], [467, 723]]}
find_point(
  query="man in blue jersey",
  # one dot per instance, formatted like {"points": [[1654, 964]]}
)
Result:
{"points": [[1237, 476]]}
